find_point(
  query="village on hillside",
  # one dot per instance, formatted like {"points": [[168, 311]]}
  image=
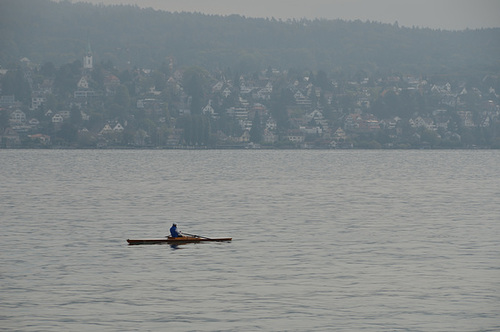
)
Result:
{"points": [[82, 105]]}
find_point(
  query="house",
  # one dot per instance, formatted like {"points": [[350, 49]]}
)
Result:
{"points": [[351, 122], [361, 123], [245, 137], [218, 86], [178, 75], [44, 88], [209, 110], [57, 118], [369, 125], [118, 128], [239, 113], [226, 93], [388, 124], [153, 91], [257, 107], [34, 123], [265, 92], [363, 102], [65, 114], [317, 117], [85, 93], [466, 117], [85, 116], [25, 61], [271, 124], [311, 130], [314, 115], [269, 136], [243, 102], [9, 101], [339, 135], [419, 122], [107, 129], [10, 138], [245, 89], [37, 101], [148, 103], [175, 137], [40, 138], [18, 117], [301, 100], [83, 84], [296, 136], [485, 121]]}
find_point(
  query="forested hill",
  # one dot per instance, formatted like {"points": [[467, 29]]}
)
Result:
{"points": [[45, 31]]}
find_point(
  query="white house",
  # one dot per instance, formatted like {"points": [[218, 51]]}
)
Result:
{"points": [[269, 136], [271, 124], [296, 136], [339, 135], [107, 129], [300, 99], [37, 102], [209, 110], [65, 114], [57, 118], [466, 117], [85, 116], [419, 122], [83, 83], [18, 116], [34, 122], [218, 86], [118, 127], [311, 130], [226, 93]]}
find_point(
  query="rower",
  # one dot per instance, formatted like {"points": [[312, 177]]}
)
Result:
{"points": [[174, 232]]}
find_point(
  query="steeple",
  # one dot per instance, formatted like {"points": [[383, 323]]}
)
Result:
{"points": [[87, 59]]}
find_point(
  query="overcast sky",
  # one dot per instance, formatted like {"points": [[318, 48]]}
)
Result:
{"points": [[436, 14]]}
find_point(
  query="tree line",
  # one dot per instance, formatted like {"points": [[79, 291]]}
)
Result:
{"points": [[59, 32]]}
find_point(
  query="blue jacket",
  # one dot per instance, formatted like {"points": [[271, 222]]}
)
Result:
{"points": [[174, 232]]}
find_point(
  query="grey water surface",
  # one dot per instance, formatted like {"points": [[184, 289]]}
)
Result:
{"points": [[322, 240]]}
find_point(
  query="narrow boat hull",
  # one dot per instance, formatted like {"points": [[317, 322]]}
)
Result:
{"points": [[177, 240]]}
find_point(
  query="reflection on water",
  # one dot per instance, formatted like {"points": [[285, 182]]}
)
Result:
{"points": [[322, 240]]}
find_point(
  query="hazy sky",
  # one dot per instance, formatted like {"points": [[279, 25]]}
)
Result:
{"points": [[436, 14]]}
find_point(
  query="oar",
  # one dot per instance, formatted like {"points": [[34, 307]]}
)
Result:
{"points": [[194, 235]]}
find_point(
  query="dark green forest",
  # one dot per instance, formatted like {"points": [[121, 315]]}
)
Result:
{"points": [[46, 31]]}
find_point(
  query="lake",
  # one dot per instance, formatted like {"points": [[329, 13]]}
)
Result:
{"points": [[322, 240]]}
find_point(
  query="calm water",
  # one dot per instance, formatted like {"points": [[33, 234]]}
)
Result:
{"points": [[322, 240]]}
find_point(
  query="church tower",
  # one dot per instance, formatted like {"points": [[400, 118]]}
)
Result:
{"points": [[87, 59]]}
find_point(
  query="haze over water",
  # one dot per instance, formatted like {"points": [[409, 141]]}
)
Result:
{"points": [[322, 240]]}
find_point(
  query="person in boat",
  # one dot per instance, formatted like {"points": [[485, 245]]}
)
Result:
{"points": [[174, 232]]}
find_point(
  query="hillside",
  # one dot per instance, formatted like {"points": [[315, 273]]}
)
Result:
{"points": [[45, 31]]}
